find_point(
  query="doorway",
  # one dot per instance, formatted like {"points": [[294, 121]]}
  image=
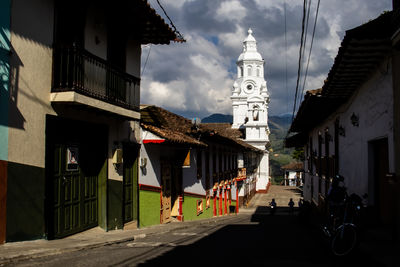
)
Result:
{"points": [[75, 163], [166, 176], [383, 198], [131, 192]]}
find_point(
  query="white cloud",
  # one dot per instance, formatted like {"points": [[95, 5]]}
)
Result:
{"points": [[196, 77], [231, 10]]}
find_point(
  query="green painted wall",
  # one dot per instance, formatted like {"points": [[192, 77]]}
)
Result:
{"points": [[149, 208], [102, 193], [25, 202], [189, 207], [190, 211], [4, 75], [115, 205]]}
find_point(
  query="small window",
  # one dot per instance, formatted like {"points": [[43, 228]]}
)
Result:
{"points": [[258, 72], [241, 72], [249, 71]]}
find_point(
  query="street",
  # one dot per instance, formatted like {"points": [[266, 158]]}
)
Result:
{"points": [[251, 238]]}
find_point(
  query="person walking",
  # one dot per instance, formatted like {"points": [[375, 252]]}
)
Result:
{"points": [[291, 206]]}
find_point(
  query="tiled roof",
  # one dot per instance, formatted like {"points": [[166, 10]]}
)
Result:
{"points": [[177, 129], [225, 130], [170, 126], [152, 27], [293, 166], [172, 136], [362, 50]]}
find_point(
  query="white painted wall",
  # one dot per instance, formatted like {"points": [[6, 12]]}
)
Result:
{"points": [[190, 182], [373, 103], [151, 174], [96, 31], [133, 55]]}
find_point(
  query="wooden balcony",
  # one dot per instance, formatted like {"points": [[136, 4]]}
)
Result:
{"points": [[93, 78]]}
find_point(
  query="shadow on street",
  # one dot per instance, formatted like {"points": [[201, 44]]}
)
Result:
{"points": [[264, 240]]}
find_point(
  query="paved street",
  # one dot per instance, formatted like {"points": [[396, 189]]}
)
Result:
{"points": [[252, 238]]}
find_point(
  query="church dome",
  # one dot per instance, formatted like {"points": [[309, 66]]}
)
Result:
{"points": [[250, 48], [250, 56]]}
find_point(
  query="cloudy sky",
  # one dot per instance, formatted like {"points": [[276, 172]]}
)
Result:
{"points": [[194, 79]]}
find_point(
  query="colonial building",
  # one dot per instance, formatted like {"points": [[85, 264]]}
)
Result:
{"points": [[346, 127], [293, 174], [190, 171], [69, 119], [250, 100]]}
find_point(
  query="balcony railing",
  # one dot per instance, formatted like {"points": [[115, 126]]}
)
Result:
{"points": [[76, 69]]}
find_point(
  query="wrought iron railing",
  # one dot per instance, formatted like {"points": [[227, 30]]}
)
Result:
{"points": [[76, 69]]}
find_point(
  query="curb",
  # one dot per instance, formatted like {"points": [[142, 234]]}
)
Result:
{"points": [[156, 229]]}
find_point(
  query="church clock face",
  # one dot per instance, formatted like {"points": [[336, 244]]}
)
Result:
{"points": [[248, 88]]}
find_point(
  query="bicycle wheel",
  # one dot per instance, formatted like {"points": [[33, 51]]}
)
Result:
{"points": [[344, 240]]}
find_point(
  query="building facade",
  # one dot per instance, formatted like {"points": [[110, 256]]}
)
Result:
{"points": [[69, 120], [346, 127], [250, 100], [191, 171], [293, 174]]}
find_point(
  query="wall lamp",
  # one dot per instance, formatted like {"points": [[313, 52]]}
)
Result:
{"points": [[143, 162], [355, 120]]}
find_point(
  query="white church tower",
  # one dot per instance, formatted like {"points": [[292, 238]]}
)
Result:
{"points": [[250, 100]]}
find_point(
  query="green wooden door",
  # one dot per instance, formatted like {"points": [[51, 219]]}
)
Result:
{"points": [[75, 193], [130, 183]]}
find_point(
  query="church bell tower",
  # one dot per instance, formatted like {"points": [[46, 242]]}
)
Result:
{"points": [[250, 100]]}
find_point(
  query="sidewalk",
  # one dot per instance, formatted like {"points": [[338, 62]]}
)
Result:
{"points": [[95, 237]]}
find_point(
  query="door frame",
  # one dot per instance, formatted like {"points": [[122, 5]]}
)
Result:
{"points": [[165, 218], [131, 149], [54, 126], [379, 189]]}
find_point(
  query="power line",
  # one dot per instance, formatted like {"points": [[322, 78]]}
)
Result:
{"points": [[179, 35], [286, 68], [312, 41], [300, 56], [304, 47]]}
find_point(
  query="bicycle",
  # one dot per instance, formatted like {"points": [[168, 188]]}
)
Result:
{"points": [[342, 230]]}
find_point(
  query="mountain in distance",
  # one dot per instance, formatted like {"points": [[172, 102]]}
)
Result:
{"points": [[278, 125], [218, 118], [280, 122]]}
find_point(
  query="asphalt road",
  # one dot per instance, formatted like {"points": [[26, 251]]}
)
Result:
{"points": [[248, 239]]}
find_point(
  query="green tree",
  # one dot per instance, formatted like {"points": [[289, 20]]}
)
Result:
{"points": [[298, 153]]}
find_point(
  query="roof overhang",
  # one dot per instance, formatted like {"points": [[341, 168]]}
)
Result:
{"points": [[362, 51]]}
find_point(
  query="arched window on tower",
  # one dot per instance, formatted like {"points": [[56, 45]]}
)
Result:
{"points": [[255, 113], [249, 71], [241, 72], [258, 72]]}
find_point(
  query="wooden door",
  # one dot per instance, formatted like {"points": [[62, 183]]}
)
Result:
{"points": [[383, 196], [75, 194], [130, 183], [166, 193]]}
